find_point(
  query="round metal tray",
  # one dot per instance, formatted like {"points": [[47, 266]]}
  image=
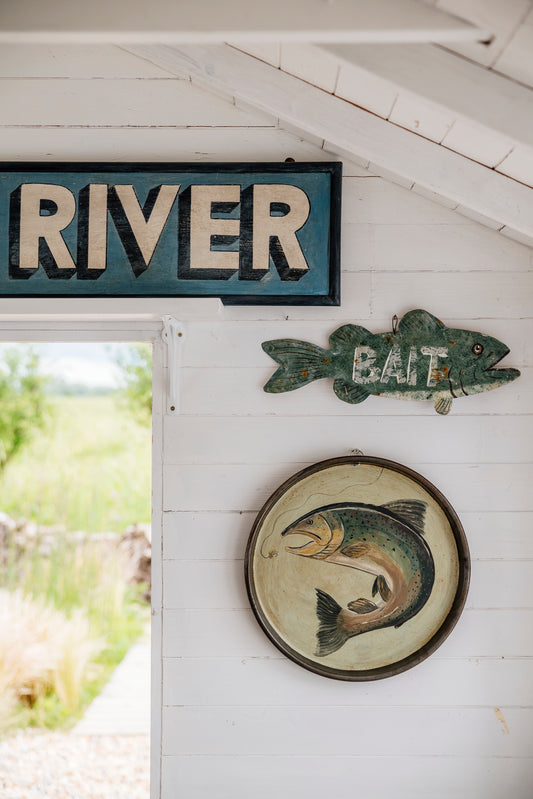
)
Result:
{"points": [[357, 568]]}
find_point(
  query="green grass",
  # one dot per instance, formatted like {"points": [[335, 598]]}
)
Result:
{"points": [[89, 470]]}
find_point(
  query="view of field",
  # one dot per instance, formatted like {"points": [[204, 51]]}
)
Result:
{"points": [[69, 605], [89, 469]]}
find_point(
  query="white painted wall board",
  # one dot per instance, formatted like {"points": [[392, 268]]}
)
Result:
{"points": [[249, 682], [435, 246], [155, 144], [234, 440], [209, 585], [310, 776], [229, 487], [222, 633], [238, 392], [124, 102], [468, 732], [223, 536]]}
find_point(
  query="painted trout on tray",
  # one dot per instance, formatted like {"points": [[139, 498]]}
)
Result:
{"points": [[386, 541], [422, 360]]}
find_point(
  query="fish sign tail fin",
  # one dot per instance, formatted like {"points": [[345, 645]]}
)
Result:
{"points": [[300, 363], [330, 635]]}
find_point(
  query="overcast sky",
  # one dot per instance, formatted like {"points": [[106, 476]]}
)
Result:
{"points": [[88, 364]]}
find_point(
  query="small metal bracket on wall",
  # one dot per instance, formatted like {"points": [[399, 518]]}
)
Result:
{"points": [[173, 336]]}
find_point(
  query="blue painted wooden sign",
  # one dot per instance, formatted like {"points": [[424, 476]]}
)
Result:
{"points": [[247, 233]]}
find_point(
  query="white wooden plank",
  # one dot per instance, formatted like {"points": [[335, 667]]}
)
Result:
{"points": [[455, 88], [352, 130], [223, 536], [156, 144], [317, 66], [310, 776], [508, 292], [500, 19], [377, 202], [493, 487], [207, 21], [220, 584], [126, 102], [422, 116], [381, 294], [213, 536], [365, 89], [200, 633], [73, 61], [237, 344], [235, 391], [519, 163], [139, 308], [258, 681], [390, 731], [211, 440], [270, 52], [515, 59], [478, 143]]}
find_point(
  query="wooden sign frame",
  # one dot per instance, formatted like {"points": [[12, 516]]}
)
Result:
{"points": [[254, 233]]}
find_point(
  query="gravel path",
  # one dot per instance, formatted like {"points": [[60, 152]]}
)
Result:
{"points": [[51, 765]]}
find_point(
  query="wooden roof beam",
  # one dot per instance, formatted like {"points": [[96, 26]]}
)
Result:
{"points": [[354, 133], [180, 21]]}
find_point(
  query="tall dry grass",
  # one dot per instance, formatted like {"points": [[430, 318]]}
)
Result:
{"points": [[41, 651]]}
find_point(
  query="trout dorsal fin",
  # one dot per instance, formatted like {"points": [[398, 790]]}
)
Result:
{"points": [[348, 337], [419, 321], [411, 511]]}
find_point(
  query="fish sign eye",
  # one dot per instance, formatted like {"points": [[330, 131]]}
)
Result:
{"points": [[477, 349]]}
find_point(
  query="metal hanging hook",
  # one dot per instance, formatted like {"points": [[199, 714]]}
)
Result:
{"points": [[394, 324], [172, 335]]}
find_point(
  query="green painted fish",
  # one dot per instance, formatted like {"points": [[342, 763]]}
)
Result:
{"points": [[423, 359], [385, 540]]}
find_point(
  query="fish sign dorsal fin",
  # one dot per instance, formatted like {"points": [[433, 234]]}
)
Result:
{"points": [[411, 511], [419, 321], [348, 337]]}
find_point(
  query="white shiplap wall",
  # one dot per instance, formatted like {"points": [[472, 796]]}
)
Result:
{"points": [[239, 720]]}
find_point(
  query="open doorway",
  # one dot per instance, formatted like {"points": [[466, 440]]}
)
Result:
{"points": [[82, 483]]}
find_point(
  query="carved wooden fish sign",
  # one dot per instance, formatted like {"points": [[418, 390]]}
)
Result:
{"points": [[423, 359]]}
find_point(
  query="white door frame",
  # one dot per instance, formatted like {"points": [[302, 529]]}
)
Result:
{"points": [[124, 329]]}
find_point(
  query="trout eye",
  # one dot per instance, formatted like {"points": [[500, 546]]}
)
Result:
{"points": [[477, 349]]}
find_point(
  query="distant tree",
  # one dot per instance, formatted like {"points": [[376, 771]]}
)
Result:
{"points": [[136, 367], [23, 405]]}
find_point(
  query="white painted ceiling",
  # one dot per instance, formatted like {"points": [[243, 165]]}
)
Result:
{"points": [[452, 120]]}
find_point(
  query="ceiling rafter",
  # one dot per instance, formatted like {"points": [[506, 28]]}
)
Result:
{"points": [[351, 132], [32, 21]]}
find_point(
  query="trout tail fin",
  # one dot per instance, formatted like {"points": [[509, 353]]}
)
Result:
{"points": [[330, 636], [300, 363]]}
